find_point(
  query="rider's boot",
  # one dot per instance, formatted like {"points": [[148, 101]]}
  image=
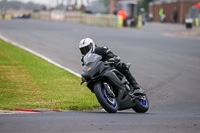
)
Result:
{"points": [[132, 81], [135, 86], [122, 67]]}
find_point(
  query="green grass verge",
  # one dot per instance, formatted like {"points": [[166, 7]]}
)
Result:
{"points": [[29, 82]]}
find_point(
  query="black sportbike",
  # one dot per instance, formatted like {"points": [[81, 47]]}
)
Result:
{"points": [[111, 87]]}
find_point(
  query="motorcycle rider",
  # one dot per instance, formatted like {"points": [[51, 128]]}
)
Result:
{"points": [[87, 46]]}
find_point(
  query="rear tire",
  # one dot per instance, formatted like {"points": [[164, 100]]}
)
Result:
{"points": [[141, 106], [108, 103]]}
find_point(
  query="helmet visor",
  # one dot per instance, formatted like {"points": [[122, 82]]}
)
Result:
{"points": [[85, 49]]}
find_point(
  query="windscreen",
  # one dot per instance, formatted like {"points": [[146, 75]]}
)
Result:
{"points": [[91, 58]]}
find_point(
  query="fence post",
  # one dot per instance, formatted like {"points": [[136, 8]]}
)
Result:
{"points": [[120, 21], [197, 22], [139, 23]]}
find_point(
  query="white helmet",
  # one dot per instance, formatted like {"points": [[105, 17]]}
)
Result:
{"points": [[86, 45]]}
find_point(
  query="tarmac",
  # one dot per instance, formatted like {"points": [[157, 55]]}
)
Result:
{"points": [[165, 63]]}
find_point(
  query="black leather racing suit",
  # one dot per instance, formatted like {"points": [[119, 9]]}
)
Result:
{"points": [[107, 55]]}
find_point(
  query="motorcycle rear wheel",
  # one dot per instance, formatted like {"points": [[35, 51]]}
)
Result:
{"points": [[107, 102], [142, 105]]}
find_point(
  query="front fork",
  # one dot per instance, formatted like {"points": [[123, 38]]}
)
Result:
{"points": [[108, 90]]}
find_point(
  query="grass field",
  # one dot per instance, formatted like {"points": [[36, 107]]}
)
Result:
{"points": [[29, 82]]}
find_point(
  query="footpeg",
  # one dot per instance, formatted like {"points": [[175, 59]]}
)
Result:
{"points": [[133, 96], [131, 93]]}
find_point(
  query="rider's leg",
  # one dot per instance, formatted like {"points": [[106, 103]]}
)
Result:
{"points": [[124, 70]]}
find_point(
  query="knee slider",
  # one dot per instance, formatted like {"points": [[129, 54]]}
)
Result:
{"points": [[122, 67]]}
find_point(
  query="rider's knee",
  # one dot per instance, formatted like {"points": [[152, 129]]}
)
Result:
{"points": [[122, 67]]}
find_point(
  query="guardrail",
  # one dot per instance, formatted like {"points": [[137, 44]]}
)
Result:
{"points": [[102, 20], [44, 15], [73, 16], [90, 19]]}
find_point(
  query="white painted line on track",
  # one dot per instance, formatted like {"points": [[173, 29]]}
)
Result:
{"points": [[40, 55]]}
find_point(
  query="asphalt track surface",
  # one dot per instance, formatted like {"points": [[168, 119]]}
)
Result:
{"points": [[167, 67]]}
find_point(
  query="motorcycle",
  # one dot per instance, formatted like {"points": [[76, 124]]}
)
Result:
{"points": [[111, 88]]}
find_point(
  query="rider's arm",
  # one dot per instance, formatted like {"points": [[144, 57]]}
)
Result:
{"points": [[108, 54], [82, 60], [111, 55]]}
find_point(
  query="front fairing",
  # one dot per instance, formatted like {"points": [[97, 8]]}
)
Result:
{"points": [[92, 70], [91, 58], [93, 67]]}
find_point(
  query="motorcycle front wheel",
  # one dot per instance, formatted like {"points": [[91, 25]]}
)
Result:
{"points": [[107, 102]]}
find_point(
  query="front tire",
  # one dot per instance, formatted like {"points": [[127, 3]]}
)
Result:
{"points": [[107, 102]]}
